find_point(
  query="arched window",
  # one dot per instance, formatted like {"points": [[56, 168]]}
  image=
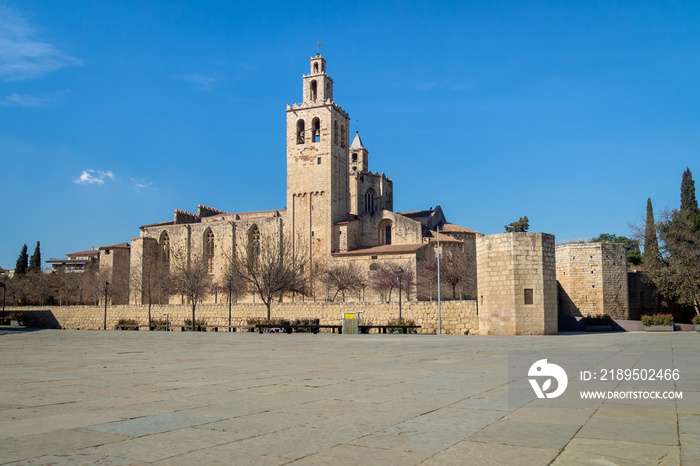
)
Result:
{"points": [[254, 246], [300, 132], [314, 91], [385, 231], [343, 137], [316, 130], [209, 250], [335, 133], [369, 201], [354, 156], [165, 248], [315, 67]]}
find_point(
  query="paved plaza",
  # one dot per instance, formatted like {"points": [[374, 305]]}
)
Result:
{"points": [[118, 398]]}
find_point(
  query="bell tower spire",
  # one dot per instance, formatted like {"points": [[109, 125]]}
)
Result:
{"points": [[317, 163], [318, 86]]}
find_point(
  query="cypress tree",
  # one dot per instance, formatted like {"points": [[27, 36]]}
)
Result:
{"points": [[35, 261], [651, 242], [688, 201], [22, 262]]}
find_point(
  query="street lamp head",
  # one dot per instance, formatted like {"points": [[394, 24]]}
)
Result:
{"points": [[165, 313], [399, 271]]}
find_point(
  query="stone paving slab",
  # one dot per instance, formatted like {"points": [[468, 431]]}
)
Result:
{"points": [[79, 397], [154, 424]]}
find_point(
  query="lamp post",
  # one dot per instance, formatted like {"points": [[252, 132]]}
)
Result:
{"points": [[438, 254], [167, 324], [399, 273], [230, 281], [106, 285], [2, 319]]}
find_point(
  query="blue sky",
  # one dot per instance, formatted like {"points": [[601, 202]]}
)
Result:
{"points": [[113, 114]]}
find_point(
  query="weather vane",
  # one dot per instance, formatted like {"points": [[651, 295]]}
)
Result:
{"points": [[318, 47]]}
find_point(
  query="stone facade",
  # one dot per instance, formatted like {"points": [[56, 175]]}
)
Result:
{"points": [[114, 269], [458, 317], [337, 209], [517, 292], [593, 279]]}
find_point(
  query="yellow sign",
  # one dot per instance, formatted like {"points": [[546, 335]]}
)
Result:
{"points": [[350, 315]]}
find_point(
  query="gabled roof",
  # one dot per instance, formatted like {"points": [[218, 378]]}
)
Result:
{"points": [[431, 236], [356, 142], [429, 218], [452, 228]]}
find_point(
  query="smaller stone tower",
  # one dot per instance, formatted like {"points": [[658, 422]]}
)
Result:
{"points": [[517, 286]]}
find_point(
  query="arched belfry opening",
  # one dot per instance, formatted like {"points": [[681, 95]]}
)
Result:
{"points": [[300, 132], [314, 90], [316, 67], [316, 130]]}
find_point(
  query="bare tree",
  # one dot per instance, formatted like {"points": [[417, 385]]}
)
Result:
{"points": [[190, 278], [343, 277], [92, 282], [271, 268], [151, 280], [457, 267], [676, 272], [384, 278]]}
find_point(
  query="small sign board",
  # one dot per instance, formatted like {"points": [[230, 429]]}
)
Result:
{"points": [[349, 315]]}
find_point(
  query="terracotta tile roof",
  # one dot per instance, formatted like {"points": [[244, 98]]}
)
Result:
{"points": [[116, 246], [452, 228], [91, 252], [384, 249], [431, 236]]}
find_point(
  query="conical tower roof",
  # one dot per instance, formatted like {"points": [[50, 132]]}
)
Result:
{"points": [[356, 142]]}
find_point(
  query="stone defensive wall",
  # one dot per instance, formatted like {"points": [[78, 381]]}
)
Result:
{"points": [[458, 317]]}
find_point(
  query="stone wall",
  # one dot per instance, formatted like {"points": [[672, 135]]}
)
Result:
{"points": [[458, 317], [593, 279], [516, 284], [643, 298]]}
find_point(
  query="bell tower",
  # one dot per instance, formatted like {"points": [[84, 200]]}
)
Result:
{"points": [[317, 164]]}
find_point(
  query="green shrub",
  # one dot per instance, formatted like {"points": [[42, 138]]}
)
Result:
{"points": [[393, 326], [158, 325], [305, 322], [127, 324], [198, 324], [696, 320], [657, 319], [600, 319]]}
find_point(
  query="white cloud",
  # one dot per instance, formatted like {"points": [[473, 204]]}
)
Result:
{"points": [[93, 176], [24, 100], [139, 185], [22, 56], [201, 81]]}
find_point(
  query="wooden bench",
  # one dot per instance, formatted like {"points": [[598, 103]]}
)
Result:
{"points": [[383, 328], [232, 328], [130, 326], [289, 328]]}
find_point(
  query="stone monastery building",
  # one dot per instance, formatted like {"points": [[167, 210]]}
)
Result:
{"points": [[337, 209]]}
